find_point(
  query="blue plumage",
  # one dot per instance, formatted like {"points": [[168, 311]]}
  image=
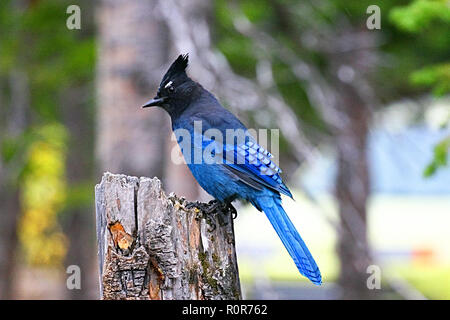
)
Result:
{"points": [[240, 169]]}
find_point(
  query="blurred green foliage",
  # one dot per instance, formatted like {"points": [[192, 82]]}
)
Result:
{"points": [[437, 77], [404, 29], [413, 47], [420, 15], [36, 41], [440, 158], [429, 19]]}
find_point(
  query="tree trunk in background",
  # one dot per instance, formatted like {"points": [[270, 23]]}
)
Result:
{"points": [[133, 47], [79, 218], [13, 123], [352, 192], [9, 211], [352, 70]]}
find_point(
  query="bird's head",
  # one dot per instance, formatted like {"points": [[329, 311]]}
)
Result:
{"points": [[176, 88]]}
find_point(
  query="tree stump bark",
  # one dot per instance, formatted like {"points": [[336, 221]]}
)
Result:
{"points": [[151, 246]]}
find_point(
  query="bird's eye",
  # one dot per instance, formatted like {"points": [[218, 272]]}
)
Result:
{"points": [[171, 89]]}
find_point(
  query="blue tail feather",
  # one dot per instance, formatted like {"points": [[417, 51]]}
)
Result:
{"points": [[290, 238]]}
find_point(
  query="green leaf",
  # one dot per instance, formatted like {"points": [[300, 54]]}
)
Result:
{"points": [[420, 14], [440, 157]]}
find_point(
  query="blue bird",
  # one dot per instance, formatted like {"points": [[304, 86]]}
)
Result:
{"points": [[228, 171]]}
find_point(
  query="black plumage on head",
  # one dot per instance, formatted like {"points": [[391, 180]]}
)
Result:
{"points": [[178, 68]]}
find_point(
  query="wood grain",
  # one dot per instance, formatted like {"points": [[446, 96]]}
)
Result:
{"points": [[151, 246]]}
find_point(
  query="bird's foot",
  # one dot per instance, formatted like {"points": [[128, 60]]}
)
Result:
{"points": [[206, 211], [222, 208], [210, 210], [232, 210], [196, 205], [228, 208], [213, 210]]}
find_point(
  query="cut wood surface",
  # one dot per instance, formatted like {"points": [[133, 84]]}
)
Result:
{"points": [[154, 246]]}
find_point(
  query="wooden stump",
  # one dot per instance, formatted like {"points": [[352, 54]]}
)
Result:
{"points": [[150, 246]]}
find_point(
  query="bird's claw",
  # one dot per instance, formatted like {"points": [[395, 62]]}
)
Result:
{"points": [[194, 205], [211, 209], [232, 210], [204, 212]]}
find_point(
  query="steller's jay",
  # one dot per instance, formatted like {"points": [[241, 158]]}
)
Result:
{"points": [[228, 171]]}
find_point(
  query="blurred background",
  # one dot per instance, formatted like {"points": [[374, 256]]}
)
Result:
{"points": [[360, 94]]}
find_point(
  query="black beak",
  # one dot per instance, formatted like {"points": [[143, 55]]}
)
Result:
{"points": [[156, 101]]}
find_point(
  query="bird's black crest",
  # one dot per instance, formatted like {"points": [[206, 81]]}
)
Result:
{"points": [[177, 68]]}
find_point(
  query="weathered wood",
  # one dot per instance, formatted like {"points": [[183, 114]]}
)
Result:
{"points": [[151, 246]]}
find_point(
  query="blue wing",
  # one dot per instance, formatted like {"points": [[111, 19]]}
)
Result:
{"points": [[250, 162]]}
